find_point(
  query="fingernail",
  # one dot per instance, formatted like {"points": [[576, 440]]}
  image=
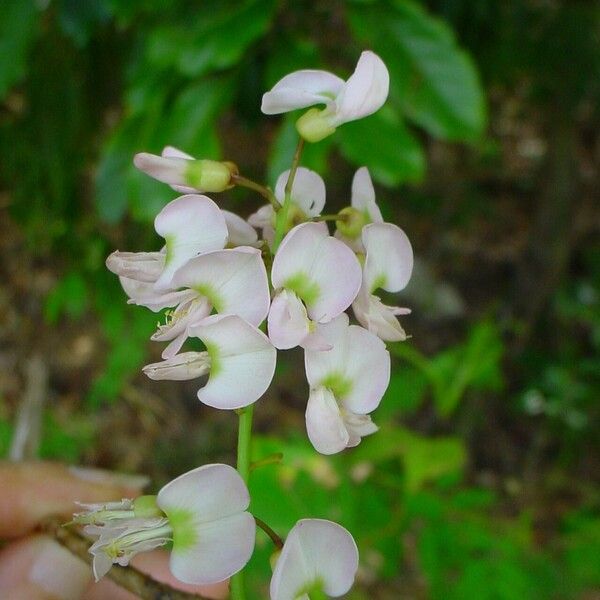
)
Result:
{"points": [[104, 477], [57, 572]]}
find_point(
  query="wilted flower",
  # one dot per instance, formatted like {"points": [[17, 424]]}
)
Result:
{"points": [[363, 94], [239, 359], [388, 265], [319, 558], [315, 277], [346, 383], [203, 513]]}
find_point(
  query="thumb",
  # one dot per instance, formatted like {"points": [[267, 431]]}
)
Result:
{"points": [[37, 568]]}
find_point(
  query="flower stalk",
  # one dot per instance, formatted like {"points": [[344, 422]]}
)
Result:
{"points": [[281, 218]]}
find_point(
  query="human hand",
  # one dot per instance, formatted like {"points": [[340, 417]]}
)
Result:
{"points": [[34, 566]]}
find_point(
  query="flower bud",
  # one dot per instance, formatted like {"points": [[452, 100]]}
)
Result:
{"points": [[314, 125], [351, 226], [209, 175]]}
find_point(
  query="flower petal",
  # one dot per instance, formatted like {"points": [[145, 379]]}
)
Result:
{"points": [[181, 367], [308, 191], [323, 271], [389, 257], [358, 364], [288, 323], [144, 294], [363, 195], [242, 361], [172, 152], [209, 493], [234, 280], [169, 170], [141, 266], [240, 232], [379, 318], [324, 422], [222, 548], [301, 89], [315, 549], [191, 225], [365, 92]]}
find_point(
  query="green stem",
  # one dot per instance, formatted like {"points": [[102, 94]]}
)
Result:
{"points": [[257, 187], [337, 217], [282, 214], [243, 466]]}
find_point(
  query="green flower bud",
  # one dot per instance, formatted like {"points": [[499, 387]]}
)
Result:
{"points": [[353, 223], [209, 175], [314, 126]]}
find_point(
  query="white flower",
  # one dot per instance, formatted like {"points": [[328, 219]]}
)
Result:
{"points": [[240, 362], [388, 265], [184, 173], [346, 383], [316, 277], [318, 557], [363, 94], [203, 513], [307, 200], [232, 281], [363, 210]]}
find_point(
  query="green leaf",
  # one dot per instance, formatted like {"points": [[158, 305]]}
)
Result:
{"points": [[424, 459], [188, 123], [432, 78], [18, 28], [69, 296], [221, 41], [393, 156]]}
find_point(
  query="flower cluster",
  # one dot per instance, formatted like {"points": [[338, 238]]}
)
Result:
{"points": [[221, 279]]}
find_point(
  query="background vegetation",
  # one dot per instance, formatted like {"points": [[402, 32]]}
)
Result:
{"points": [[483, 481]]}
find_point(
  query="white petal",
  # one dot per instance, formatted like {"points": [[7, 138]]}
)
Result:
{"points": [[172, 152], [308, 191], [358, 426], [209, 493], [182, 367], [144, 294], [240, 232], [389, 257], [262, 217], [243, 361], [288, 323], [358, 360], [365, 92], [167, 170], [363, 195], [191, 225], [194, 308], [234, 280], [301, 89], [222, 549], [315, 549], [379, 318], [141, 266], [325, 267], [324, 422]]}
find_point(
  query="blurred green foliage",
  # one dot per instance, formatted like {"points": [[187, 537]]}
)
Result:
{"points": [[86, 84]]}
